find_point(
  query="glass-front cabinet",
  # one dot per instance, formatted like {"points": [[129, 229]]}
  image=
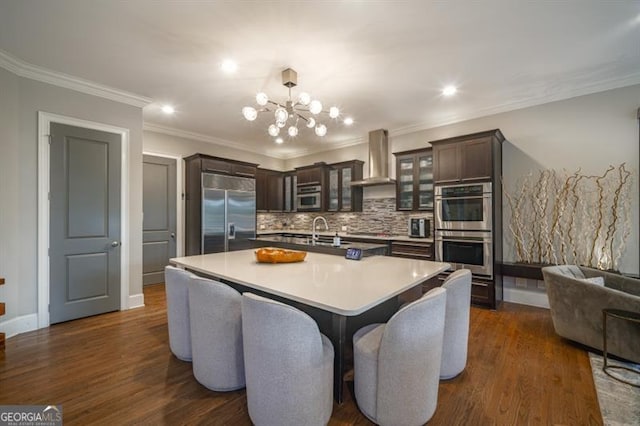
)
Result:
{"points": [[334, 193], [414, 180], [342, 196]]}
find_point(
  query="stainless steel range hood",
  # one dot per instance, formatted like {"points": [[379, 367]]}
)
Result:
{"points": [[378, 160]]}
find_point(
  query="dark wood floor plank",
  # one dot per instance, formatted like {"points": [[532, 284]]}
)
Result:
{"points": [[117, 369]]}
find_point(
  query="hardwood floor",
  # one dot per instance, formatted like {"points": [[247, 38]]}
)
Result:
{"points": [[117, 369]]}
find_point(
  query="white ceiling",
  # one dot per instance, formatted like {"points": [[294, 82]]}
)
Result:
{"points": [[383, 62]]}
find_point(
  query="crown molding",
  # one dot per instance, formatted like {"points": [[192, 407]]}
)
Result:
{"points": [[561, 95], [186, 134], [34, 72]]}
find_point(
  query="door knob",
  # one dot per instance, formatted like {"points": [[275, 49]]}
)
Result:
{"points": [[115, 244], [173, 235]]}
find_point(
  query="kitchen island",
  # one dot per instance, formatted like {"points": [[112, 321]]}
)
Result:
{"points": [[330, 288]]}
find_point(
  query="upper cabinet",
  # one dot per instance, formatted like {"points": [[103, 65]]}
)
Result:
{"points": [[465, 158], [341, 195], [312, 175], [414, 180], [223, 166], [269, 190], [290, 185]]}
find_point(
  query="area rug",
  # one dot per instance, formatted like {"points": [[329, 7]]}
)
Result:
{"points": [[619, 402]]}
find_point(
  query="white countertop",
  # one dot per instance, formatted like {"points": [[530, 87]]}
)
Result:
{"points": [[332, 283], [347, 235]]}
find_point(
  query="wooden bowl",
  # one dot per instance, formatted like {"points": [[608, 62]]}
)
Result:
{"points": [[279, 255]]}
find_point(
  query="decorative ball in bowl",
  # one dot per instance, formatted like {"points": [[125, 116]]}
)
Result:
{"points": [[279, 255]]}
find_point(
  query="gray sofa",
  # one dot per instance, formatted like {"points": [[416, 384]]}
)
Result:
{"points": [[576, 308]]}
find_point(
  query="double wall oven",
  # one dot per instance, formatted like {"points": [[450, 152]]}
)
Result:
{"points": [[463, 227]]}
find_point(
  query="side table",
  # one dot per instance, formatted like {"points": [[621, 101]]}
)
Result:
{"points": [[633, 317]]}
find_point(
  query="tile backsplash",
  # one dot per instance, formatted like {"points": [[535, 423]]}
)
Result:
{"points": [[379, 215]]}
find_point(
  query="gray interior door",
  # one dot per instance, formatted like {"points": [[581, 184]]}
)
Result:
{"points": [[84, 253], [159, 207]]}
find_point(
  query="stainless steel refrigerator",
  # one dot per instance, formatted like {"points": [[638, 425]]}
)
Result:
{"points": [[228, 213]]}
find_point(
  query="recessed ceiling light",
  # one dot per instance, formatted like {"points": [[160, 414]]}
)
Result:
{"points": [[279, 140], [168, 109], [348, 121], [449, 90], [229, 66]]}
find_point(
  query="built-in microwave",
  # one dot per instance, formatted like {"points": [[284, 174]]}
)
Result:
{"points": [[463, 207], [471, 250], [309, 197]]}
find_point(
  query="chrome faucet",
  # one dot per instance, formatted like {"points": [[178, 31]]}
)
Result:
{"points": [[314, 234]]}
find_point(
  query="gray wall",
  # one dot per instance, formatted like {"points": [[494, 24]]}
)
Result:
{"points": [[588, 132], [20, 101], [160, 143]]}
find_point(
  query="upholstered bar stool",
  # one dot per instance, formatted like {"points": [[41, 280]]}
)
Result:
{"points": [[288, 365], [215, 312], [456, 323], [397, 364], [176, 286]]}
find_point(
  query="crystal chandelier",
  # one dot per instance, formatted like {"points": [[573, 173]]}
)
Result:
{"points": [[291, 113]]}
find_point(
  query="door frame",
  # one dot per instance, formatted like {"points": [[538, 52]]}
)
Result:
{"points": [[179, 198], [44, 123]]}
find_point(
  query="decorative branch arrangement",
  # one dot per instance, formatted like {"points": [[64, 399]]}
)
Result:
{"points": [[571, 219]]}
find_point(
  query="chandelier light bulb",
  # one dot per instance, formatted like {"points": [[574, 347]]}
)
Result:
{"points": [[250, 113], [262, 99], [315, 107], [321, 130], [279, 140], [348, 121], [274, 130], [311, 123], [334, 112], [293, 131], [304, 98], [281, 114]]}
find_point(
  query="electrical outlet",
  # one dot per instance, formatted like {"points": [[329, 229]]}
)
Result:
{"points": [[344, 229], [262, 227], [521, 282]]}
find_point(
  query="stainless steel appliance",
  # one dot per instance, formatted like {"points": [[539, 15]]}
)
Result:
{"points": [[466, 249], [463, 207], [419, 227], [309, 197], [228, 213]]}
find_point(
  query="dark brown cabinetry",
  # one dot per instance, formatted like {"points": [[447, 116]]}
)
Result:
{"points": [[195, 165], [290, 184], [412, 250], [342, 196], [315, 174], [465, 158], [461, 164], [414, 180], [269, 190]]}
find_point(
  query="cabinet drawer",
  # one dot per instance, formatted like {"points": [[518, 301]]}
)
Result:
{"points": [[216, 166], [422, 251]]}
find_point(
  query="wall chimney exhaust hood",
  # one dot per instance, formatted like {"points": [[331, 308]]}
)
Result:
{"points": [[378, 160]]}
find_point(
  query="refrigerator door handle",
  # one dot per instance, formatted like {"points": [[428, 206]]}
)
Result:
{"points": [[232, 231]]}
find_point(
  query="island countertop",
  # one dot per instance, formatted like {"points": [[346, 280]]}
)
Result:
{"points": [[333, 283]]}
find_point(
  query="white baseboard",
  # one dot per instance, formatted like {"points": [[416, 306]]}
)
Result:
{"points": [[20, 324], [136, 301], [524, 297]]}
